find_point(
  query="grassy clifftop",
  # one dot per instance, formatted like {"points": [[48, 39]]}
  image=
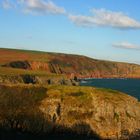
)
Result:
{"points": [[88, 111], [81, 66], [44, 106]]}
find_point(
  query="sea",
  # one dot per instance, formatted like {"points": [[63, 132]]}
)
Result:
{"points": [[128, 86]]}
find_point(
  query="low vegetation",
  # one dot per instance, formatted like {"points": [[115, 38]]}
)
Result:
{"points": [[75, 110], [48, 103], [15, 72], [65, 64]]}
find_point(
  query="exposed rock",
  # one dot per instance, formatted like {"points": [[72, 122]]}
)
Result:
{"points": [[84, 111], [79, 66], [27, 79], [75, 82], [32, 79], [12, 79], [106, 116], [54, 68], [36, 65], [18, 64]]}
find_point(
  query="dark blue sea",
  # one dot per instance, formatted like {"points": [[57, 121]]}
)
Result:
{"points": [[129, 86]]}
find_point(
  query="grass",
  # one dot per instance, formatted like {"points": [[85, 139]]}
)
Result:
{"points": [[19, 107], [80, 93], [84, 95], [72, 94], [15, 72], [21, 102], [8, 55], [34, 92], [73, 63]]}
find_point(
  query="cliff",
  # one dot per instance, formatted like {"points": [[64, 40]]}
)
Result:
{"points": [[70, 65], [35, 103], [68, 111], [38, 79]]}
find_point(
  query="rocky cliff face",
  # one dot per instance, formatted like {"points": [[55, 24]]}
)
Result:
{"points": [[106, 115], [46, 106], [70, 65], [33, 79], [100, 113], [99, 70], [18, 64]]}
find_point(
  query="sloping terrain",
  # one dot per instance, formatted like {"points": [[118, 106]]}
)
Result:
{"points": [[68, 111], [71, 65], [35, 101]]}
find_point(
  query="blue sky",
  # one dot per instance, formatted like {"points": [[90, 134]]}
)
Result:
{"points": [[108, 29]]}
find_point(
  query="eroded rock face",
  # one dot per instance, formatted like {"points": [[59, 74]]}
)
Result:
{"points": [[108, 117], [32, 79], [82, 67], [18, 79], [18, 64], [39, 66], [27, 79], [91, 112]]}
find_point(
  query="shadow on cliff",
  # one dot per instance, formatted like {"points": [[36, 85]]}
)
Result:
{"points": [[58, 132], [21, 118]]}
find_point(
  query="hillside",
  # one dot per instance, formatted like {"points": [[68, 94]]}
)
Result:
{"points": [[40, 98], [43, 63], [68, 112]]}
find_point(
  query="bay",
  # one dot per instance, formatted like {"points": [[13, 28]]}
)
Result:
{"points": [[129, 86]]}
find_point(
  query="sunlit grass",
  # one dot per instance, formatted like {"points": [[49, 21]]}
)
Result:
{"points": [[15, 72]]}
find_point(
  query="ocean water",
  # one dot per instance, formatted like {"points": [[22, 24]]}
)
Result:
{"points": [[129, 86]]}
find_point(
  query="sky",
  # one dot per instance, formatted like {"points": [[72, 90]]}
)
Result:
{"points": [[101, 29]]}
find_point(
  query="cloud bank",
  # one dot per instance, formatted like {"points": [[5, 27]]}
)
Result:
{"points": [[35, 6], [126, 45], [6, 4], [98, 17], [105, 18], [41, 6]]}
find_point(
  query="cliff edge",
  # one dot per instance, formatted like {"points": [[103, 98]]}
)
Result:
{"points": [[21, 61], [96, 113]]}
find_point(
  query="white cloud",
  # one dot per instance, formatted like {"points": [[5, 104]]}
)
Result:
{"points": [[102, 17], [34, 6], [126, 45], [99, 17], [41, 6], [6, 4]]}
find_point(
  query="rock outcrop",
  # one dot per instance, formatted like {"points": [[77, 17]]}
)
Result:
{"points": [[18, 64], [69, 110], [71, 65], [18, 79], [33, 79], [34, 97], [108, 114]]}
